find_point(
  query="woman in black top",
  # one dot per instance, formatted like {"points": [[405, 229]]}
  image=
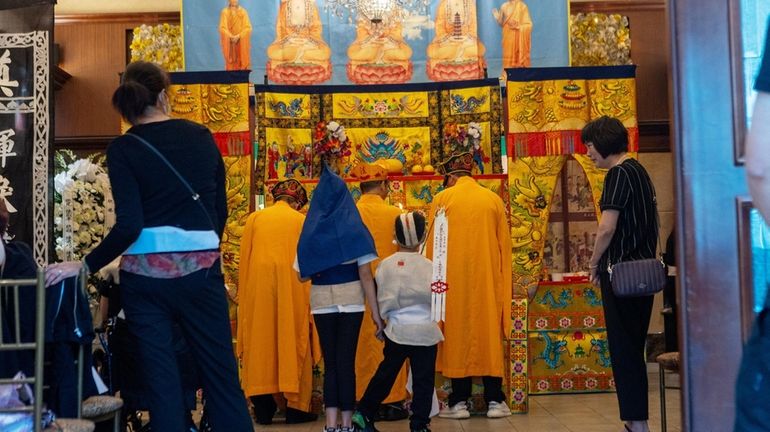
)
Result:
{"points": [[169, 241], [628, 230]]}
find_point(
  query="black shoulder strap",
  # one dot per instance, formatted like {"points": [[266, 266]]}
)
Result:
{"points": [[195, 196]]}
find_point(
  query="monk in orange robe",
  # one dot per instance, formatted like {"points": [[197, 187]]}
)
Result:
{"points": [[478, 299], [514, 18], [380, 218], [276, 340], [234, 34]]}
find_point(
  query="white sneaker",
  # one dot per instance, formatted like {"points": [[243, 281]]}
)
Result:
{"points": [[457, 411], [498, 410]]}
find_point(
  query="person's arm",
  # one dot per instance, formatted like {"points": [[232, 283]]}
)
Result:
{"points": [[758, 155], [367, 281], [607, 224], [615, 196]]}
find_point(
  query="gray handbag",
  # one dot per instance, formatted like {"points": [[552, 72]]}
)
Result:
{"points": [[638, 278]]}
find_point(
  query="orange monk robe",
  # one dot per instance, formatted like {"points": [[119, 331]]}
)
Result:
{"points": [[478, 302], [517, 34], [380, 219], [235, 22], [276, 340]]}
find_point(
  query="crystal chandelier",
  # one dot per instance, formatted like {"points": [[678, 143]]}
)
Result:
{"points": [[376, 10]]}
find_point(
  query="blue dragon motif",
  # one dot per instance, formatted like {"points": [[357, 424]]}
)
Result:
{"points": [[382, 146], [591, 298], [565, 299], [462, 106], [552, 352], [293, 109], [603, 351], [425, 194]]}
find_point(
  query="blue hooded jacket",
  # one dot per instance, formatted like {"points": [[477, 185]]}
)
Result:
{"points": [[333, 232]]}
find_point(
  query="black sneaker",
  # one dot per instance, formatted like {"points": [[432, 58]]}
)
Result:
{"points": [[294, 416], [392, 412], [425, 429]]}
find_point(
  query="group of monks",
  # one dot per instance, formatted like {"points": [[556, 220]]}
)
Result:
{"points": [[300, 55], [276, 341]]}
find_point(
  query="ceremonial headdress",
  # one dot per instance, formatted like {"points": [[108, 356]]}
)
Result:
{"points": [[462, 162], [290, 188], [333, 232], [366, 172]]}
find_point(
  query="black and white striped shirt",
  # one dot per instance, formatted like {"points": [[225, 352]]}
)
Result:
{"points": [[629, 190]]}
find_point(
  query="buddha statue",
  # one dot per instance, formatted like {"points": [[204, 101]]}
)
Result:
{"points": [[456, 53], [298, 55], [379, 54]]}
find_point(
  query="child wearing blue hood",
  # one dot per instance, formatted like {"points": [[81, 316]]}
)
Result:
{"points": [[334, 252]]}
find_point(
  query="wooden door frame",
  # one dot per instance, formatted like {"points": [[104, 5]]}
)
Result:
{"points": [[707, 183]]}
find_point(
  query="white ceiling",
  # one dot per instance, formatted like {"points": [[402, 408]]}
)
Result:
{"points": [[116, 6]]}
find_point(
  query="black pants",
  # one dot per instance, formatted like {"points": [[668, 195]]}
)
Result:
{"points": [[627, 320], [197, 302], [338, 333], [461, 389], [422, 360], [753, 386]]}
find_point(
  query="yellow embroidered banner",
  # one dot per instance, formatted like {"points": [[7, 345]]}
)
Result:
{"points": [[471, 122], [380, 105], [547, 107], [531, 183], [220, 101], [286, 122]]}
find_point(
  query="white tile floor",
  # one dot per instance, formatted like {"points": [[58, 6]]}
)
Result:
{"points": [[548, 413]]}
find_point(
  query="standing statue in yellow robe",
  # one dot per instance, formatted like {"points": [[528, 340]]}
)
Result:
{"points": [[380, 218], [456, 53], [514, 18], [298, 55], [379, 54], [234, 34], [478, 299], [276, 340]]}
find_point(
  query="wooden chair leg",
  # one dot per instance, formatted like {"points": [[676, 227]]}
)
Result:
{"points": [[662, 398]]}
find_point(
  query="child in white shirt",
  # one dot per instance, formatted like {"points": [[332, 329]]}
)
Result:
{"points": [[404, 295]]}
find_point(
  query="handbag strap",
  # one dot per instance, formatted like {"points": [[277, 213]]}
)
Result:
{"points": [[195, 196]]}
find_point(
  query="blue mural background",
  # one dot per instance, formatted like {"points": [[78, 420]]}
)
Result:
{"points": [[550, 36]]}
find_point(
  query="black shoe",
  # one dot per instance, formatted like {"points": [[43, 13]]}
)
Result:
{"points": [[264, 408], [392, 412], [425, 429], [294, 416]]}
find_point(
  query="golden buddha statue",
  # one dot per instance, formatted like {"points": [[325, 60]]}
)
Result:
{"points": [[379, 54], [456, 53], [298, 55]]}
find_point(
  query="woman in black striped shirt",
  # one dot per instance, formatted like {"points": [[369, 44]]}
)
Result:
{"points": [[628, 230]]}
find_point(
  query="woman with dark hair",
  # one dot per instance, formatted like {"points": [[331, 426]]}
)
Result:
{"points": [[628, 230], [168, 182]]}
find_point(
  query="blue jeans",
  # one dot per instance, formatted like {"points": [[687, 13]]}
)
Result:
{"points": [[198, 304]]}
